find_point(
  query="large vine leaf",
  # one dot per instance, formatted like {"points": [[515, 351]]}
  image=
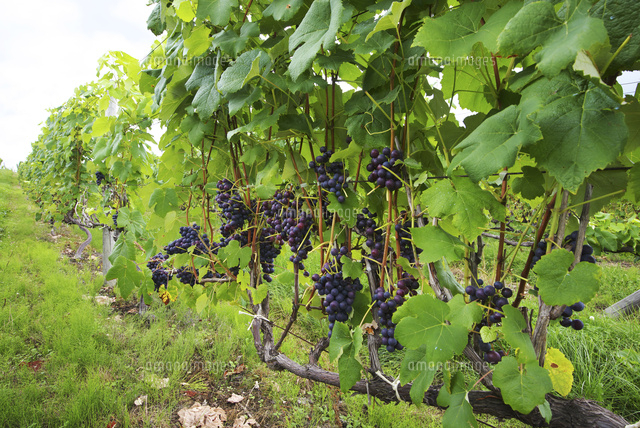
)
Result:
{"points": [[436, 243], [217, 11], [621, 19], [561, 37], [317, 30], [127, 274], [558, 286], [581, 126], [464, 202], [244, 67], [512, 326], [453, 395], [345, 347], [424, 320], [530, 184], [163, 201], [495, 143], [464, 314], [523, 386], [453, 35]]}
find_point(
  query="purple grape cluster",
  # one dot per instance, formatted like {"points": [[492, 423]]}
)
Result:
{"points": [[339, 292], [570, 311], [569, 240], [99, 177], [269, 251], [159, 274], [406, 246], [495, 297], [115, 219], [386, 168], [233, 208], [189, 236], [387, 306], [186, 275], [331, 175], [367, 227], [297, 226]]}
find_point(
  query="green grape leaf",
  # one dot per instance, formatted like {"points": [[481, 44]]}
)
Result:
{"points": [[453, 395], [558, 286], [125, 247], [454, 34], [631, 110], [464, 202], [234, 256], [235, 77], [560, 371], [184, 10], [423, 319], [217, 11], [201, 303], [317, 30], [545, 411], [390, 19], [416, 368], [131, 220], [447, 278], [530, 184], [154, 22], [436, 243], [621, 19], [633, 190], [561, 38], [489, 334], [494, 144], [127, 273], [581, 126], [101, 126], [283, 10], [350, 268], [512, 325], [198, 41], [164, 200], [345, 347], [523, 386], [464, 314]]}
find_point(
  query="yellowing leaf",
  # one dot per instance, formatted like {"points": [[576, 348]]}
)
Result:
{"points": [[560, 371]]}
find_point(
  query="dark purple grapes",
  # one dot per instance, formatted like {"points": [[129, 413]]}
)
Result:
{"points": [[99, 177], [331, 175], [339, 292], [386, 168], [159, 274]]}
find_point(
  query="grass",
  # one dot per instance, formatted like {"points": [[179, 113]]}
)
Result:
{"points": [[68, 361]]}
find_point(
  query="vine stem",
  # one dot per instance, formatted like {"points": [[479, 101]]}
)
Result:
{"points": [[546, 312], [503, 225], [527, 267], [296, 306]]}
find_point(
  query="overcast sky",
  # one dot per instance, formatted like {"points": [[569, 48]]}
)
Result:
{"points": [[51, 47], [48, 49]]}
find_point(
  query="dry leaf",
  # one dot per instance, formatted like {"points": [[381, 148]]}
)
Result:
{"points": [[140, 400], [190, 393], [244, 422], [198, 416], [235, 398], [237, 370], [369, 327]]}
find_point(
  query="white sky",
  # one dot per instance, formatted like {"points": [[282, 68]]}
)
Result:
{"points": [[48, 49], [51, 47]]}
